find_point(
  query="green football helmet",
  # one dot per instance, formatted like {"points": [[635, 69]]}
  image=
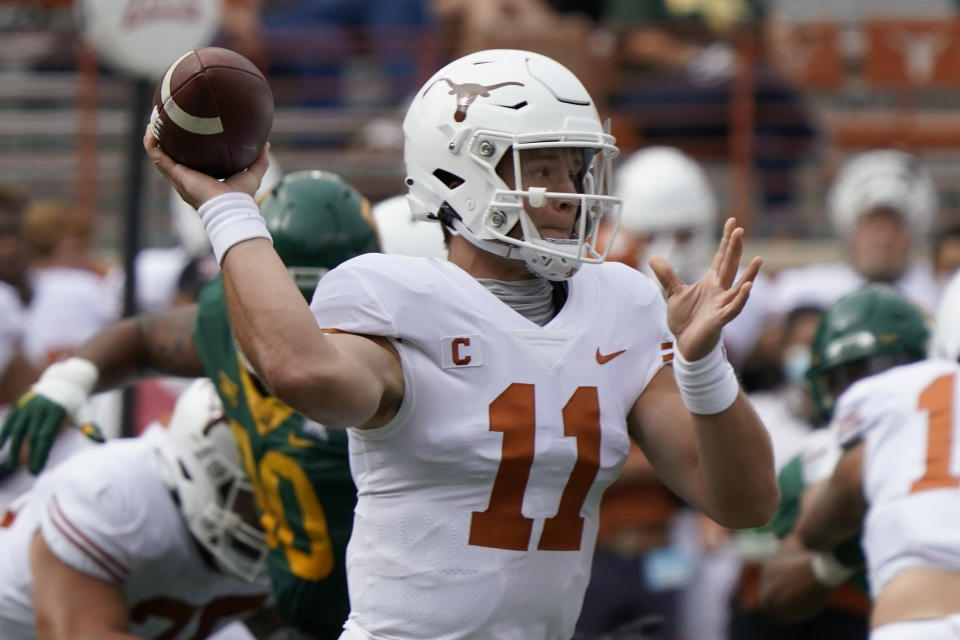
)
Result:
{"points": [[317, 221], [863, 333]]}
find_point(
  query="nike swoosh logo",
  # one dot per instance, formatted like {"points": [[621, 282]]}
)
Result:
{"points": [[604, 359]]}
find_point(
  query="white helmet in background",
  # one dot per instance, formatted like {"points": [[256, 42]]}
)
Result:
{"points": [[667, 198], [476, 110], [200, 462], [185, 221], [884, 178], [945, 342], [402, 234]]}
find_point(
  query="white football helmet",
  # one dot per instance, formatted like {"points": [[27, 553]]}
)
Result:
{"points": [[665, 193], [487, 104], [883, 178], [402, 234], [200, 462], [945, 342]]}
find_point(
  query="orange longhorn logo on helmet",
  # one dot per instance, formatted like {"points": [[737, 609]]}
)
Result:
{"points": [[468, 92]]}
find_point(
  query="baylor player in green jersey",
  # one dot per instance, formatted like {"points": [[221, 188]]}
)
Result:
{"points": [[865, 332], [299, 469], [300, 475]]}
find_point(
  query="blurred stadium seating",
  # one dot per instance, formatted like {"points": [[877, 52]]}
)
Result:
{"points": [[64, 121]]}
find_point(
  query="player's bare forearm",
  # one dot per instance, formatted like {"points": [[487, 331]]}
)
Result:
{"points": [[788, 590], [143, 345], [18, 375], [70, 605], [338, 380], [736, 459], [836, 510], [722, 464]]}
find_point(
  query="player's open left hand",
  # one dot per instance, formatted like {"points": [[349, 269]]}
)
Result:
{"points": [[196, 188], [696, 313], [36, 419]]}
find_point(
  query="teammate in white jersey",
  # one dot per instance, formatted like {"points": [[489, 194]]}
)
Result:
{"points": [[141, 537], [491, 397], [896, 485], [882, 205]]}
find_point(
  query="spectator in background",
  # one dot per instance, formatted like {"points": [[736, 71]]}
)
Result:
{"points": [[14, 249], [335, 52], [75, 292], [16, 373], [566, 30], [881, 206], [678, 64], [945, 252]]}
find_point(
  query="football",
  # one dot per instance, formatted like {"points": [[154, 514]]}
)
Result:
{"points": [[212, 111]]}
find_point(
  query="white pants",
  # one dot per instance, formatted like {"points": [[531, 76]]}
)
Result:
{"points": [[936, 629]]}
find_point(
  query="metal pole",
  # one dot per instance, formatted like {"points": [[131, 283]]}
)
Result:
{"points": [[139, 113]]}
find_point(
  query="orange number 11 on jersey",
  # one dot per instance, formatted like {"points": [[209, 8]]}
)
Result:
{"points": [[503, 525]]}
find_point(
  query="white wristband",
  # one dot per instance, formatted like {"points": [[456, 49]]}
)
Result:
{"points": [[231, 218], [828, 571], [707, 385], [68, 383]]}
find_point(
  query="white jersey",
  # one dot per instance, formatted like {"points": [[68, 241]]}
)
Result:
{"points": [[477, 510], [158, 273], [107, 513], [19, 481], [820, 285], [909, 421], [69, 305]]}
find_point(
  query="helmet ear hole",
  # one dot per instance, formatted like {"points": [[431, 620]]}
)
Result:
{"points": [[450, 180]]}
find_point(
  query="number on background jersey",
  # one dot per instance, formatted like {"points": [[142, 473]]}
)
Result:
{"points": [[179, 613], [275, 467], [937, 401], [502, 525]]}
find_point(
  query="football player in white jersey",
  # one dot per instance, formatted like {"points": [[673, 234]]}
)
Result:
{"points": [[147, 537], [491, 397], [882, 204], [896, 486]]}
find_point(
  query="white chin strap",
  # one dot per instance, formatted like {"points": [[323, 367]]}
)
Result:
{"points": [[549, 265]]}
